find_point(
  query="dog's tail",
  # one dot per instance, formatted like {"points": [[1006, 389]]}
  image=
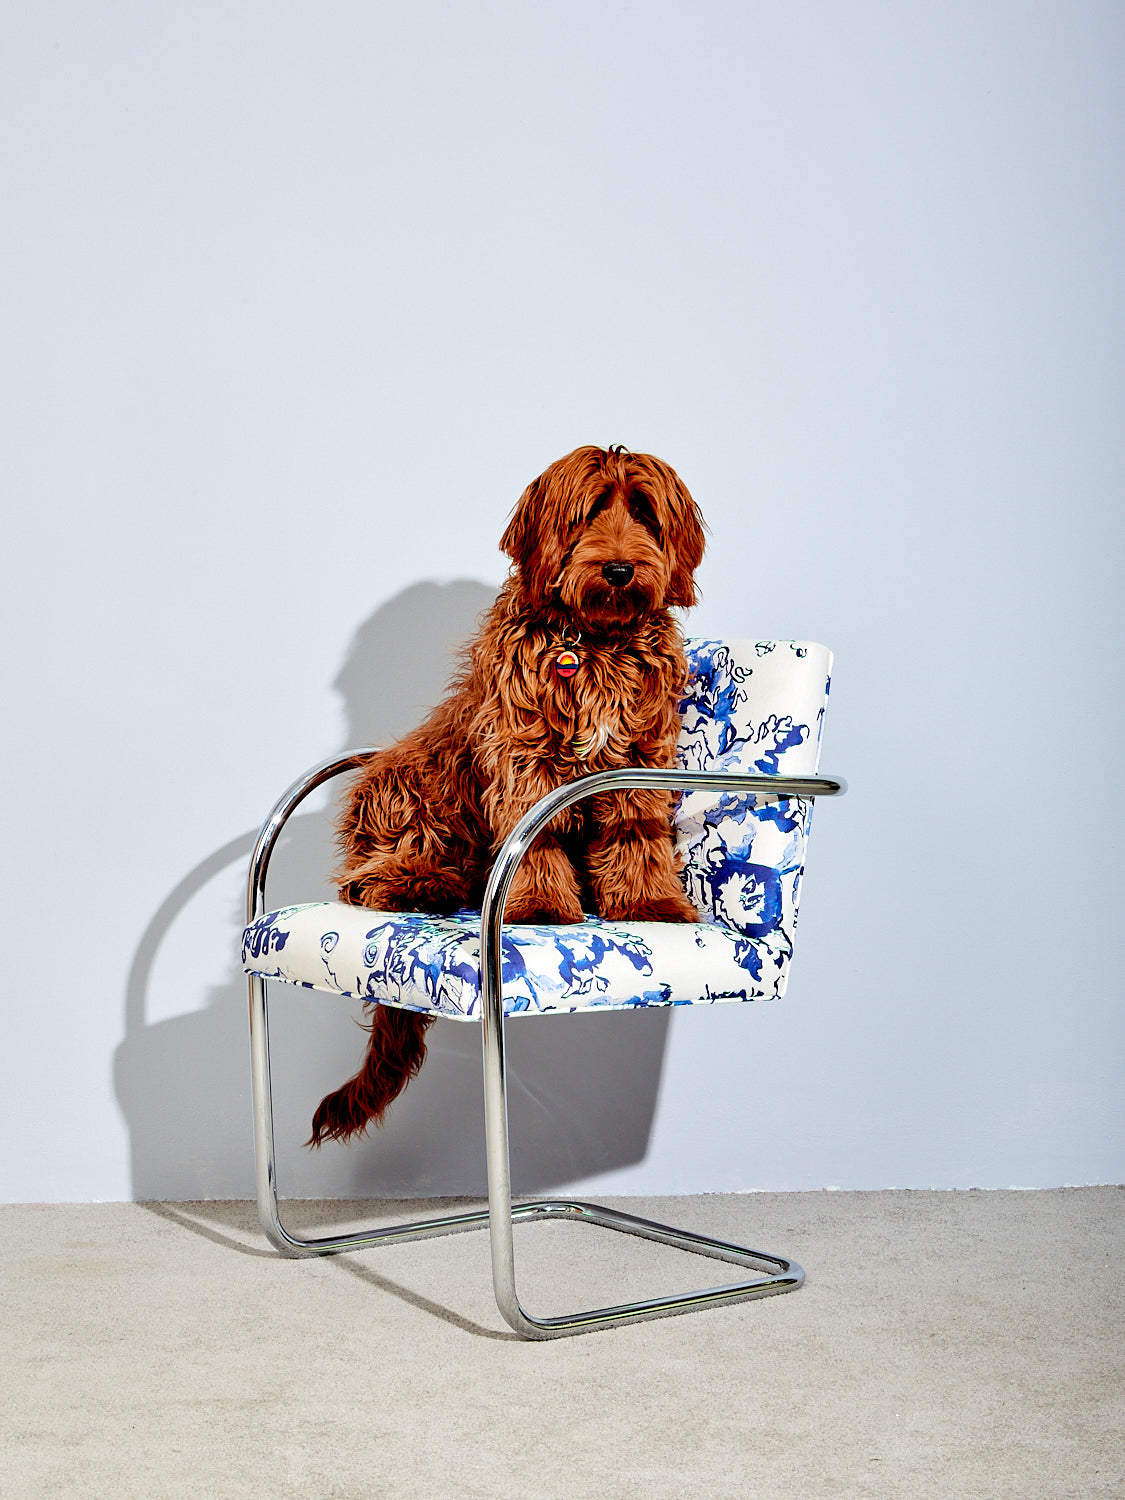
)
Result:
{"points": [[396, 1050]]}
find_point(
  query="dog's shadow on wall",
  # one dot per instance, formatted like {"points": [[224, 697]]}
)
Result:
{"points": [[582, 1088]]}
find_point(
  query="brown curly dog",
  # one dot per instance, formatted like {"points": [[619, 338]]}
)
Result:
{"points": [[578, 667]]}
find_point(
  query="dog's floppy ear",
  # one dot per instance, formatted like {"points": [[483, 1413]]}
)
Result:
{"points": [[532, 539], [684, 535], [548, 512], [518, 540]]}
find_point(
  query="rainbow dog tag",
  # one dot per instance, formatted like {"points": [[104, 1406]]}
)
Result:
{"points": [[567, 663]]}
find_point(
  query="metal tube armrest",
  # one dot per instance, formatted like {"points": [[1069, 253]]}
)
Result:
{"points": [[279, 814], [629, 778], [522, 836]]}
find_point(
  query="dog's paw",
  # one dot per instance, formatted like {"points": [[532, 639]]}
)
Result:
{"points": [[408, 890], [675, 908], [532, 908], [545, 890], [435, 892]]}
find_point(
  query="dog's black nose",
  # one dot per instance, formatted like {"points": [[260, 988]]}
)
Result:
{"points": [[617, 573]]}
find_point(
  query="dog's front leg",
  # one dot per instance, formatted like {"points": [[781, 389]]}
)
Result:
{"points": [[545, 887], [631, 860]]}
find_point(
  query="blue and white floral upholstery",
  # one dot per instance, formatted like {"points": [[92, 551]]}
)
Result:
{"points": [[750, 706]]}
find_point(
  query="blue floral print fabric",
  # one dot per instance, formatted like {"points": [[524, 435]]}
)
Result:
{"points": [[750, 706]]}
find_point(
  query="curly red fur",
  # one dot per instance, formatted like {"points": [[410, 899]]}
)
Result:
{"points": [[602, 544]]}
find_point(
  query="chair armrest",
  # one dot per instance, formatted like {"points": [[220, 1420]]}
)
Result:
{"points": [[287, 803], [517, 843], [630, 778]]}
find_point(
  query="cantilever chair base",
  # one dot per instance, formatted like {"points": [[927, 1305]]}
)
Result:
{"points": [[780, 1275]]}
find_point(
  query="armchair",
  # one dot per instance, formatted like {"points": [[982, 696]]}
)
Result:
{"points": [[752, 718]]}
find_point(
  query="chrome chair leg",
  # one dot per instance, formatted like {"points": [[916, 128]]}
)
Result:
{"points": [[266, 1165], [779, 1275]]}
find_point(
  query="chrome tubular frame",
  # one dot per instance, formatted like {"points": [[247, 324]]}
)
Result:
{"points": [[779, 1275]]}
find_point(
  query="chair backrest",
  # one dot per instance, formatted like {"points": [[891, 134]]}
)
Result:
{"points": [[754, 706]]}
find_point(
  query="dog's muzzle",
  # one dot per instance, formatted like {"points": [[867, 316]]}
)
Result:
{"points": [[617, 573]]}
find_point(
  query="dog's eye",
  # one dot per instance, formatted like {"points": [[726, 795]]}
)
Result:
{"points": [[642, 509], [598, 506]]}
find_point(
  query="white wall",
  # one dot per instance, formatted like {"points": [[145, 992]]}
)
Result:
{"points": [[296, 300]]}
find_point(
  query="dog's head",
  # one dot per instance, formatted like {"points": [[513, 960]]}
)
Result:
{"points": [[609, 535]]}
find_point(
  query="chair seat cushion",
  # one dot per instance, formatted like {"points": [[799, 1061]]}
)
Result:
{"points": [[430, 963]]}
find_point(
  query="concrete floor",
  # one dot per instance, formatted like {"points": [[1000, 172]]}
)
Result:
{"points": [[953, 1345]]}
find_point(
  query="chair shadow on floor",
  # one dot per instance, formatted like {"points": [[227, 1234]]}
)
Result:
{"points": [[582, 1088], [234, 1226]]}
